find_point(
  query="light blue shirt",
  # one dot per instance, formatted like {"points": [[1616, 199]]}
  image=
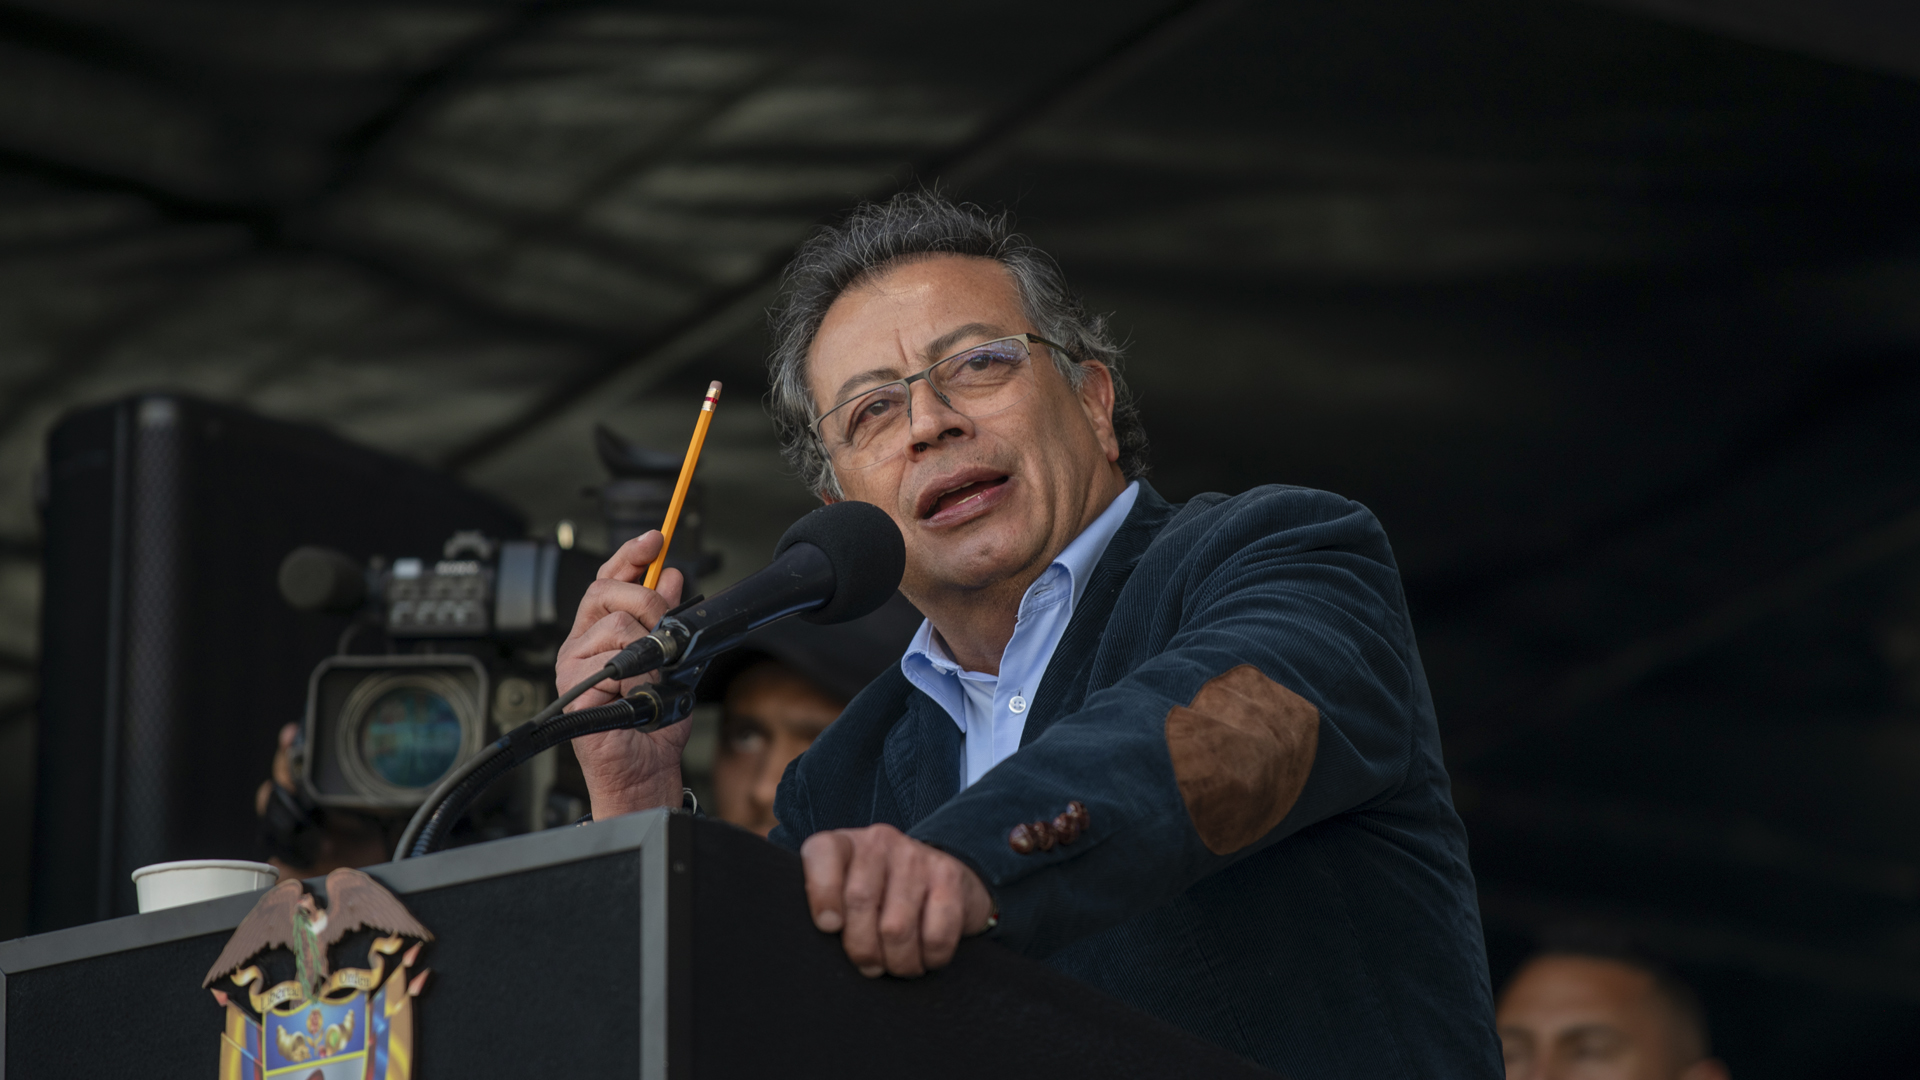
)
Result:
{"points": [[992, 710]]}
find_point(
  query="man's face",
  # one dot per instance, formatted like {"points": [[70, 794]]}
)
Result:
{"points": [[1567, 1017], [983, 501], [771, 715]]}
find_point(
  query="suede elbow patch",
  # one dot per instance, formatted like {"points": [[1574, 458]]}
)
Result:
{"points": [[1241, 752]]}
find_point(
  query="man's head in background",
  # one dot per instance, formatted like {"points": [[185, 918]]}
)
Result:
{"points": [[780, 689], [1597, 1013]]}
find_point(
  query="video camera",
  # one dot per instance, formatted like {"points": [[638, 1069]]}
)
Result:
{"points": [[467, 652]]}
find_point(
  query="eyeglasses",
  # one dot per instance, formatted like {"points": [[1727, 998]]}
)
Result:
{"points": [[874, 425]]}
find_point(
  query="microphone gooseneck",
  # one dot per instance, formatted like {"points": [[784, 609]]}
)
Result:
{"points": [[836, 564]]}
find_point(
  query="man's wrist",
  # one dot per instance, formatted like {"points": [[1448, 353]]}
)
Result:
{"points": [[612, 800], [688, 802]]}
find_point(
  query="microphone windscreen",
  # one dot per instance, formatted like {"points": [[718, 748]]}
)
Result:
{"points": [[322, 579], [863, 546]]}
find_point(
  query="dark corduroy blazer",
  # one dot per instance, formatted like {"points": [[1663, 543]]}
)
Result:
{"points": [[1343, 941]]}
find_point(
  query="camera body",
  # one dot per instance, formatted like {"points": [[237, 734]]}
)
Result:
{"points": [[479, 588], [465, 653]]}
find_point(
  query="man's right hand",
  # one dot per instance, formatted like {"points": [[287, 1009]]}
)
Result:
{"points": [[625, 770]]}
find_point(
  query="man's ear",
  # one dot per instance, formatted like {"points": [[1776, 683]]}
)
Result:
{"points": [[1096, 399]]}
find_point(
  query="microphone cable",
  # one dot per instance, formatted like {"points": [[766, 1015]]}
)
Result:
{"points": [[455, 793], [548, 728]]}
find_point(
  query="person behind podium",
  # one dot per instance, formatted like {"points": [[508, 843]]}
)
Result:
{"points": [[779, 690], [1183, 752]]}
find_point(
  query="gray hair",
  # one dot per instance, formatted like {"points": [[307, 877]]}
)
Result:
{"points": [[914, 225]]}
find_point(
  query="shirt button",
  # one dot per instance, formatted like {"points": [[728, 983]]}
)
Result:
{"points": [[1018, 704]]}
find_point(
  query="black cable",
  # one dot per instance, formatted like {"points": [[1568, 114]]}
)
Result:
{"points": [[644, 710], [466, 768], [441, 793], [638, 658]]}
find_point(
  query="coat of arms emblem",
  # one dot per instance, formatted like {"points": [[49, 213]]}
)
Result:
{"points": [[324, 1023]]}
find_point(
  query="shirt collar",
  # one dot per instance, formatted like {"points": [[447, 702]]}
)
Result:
{"points": [[1077, 561], [1084, 553]]}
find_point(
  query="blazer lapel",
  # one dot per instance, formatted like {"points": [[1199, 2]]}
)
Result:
{"points": [[1064, 686], [922, 759]]}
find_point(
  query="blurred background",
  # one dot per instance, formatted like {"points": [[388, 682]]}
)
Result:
{"points": [[1610, 311]]}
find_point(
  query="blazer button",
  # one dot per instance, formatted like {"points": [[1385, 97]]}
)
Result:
{"points": [[1021, 840], [1042, 835], [1067, 826]]}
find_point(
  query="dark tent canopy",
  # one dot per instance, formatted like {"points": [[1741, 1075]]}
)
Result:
{"points": [[1608, 311]]}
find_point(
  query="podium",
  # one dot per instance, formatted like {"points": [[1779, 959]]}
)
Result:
{"points": [[657, 946]]}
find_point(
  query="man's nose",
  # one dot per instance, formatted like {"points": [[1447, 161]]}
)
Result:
{"points": [[931, 416], [767, 785]]}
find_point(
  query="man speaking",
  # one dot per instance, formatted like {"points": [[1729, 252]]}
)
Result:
{"points": [[1185, 753]]}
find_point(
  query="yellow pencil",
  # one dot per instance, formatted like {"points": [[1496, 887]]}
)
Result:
{"points": [[680, 488]]}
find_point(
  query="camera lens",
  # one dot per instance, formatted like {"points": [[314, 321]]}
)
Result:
{"points": [[411, 737], [404, 723]]}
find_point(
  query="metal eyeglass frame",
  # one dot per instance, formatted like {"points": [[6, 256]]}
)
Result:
{"points": [[906, 384]]}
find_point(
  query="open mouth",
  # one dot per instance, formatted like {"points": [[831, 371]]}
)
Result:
{"points": [[965, 493]]}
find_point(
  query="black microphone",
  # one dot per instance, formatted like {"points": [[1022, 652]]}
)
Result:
{"points": [[322, 579], [834, 565]]}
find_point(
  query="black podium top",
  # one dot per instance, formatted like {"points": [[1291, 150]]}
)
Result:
{"points": [[654, 946]]}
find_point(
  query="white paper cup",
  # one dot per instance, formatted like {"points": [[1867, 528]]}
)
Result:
{"points": [[170, 884]]}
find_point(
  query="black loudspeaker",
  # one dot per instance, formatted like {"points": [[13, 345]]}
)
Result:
{"points": [[168, 659]]}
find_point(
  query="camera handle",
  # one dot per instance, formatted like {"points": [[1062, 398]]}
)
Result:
{"points": [[645, 708]]}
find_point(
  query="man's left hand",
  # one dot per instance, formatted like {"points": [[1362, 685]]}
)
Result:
{"points": [[899, 906]]}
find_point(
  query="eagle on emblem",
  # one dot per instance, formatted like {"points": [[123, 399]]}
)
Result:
{"points": [[288, 917]]}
